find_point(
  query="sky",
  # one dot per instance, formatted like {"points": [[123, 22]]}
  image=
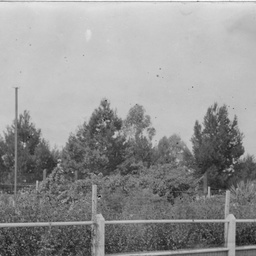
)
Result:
{"points": [[174, 59]]}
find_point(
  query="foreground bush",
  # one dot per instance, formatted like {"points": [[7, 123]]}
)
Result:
{"points": [[152, 237], [30, 207], [60, 200]]}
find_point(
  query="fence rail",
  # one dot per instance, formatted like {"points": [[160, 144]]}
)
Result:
{"points": [[9, 188], [181, 252], [230, 248], [44, 224], [165, 221], [245, 220]]}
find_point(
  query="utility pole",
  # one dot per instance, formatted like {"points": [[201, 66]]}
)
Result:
{"points": [[16, 143]]}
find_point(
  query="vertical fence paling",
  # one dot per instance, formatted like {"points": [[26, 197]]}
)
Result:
{"points": [[205, 183], [209, 192], [44, 174], [231, 235], [100, 235], [94, 231], [227, 203]]}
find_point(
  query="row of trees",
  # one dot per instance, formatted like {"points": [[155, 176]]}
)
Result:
{"points": [[109, 145]]}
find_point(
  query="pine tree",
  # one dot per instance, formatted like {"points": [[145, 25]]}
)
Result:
{"points": [[34, 154], [97, 147], [217, 146]]}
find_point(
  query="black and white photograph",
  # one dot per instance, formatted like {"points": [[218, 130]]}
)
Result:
{"points": [[127, 128]]}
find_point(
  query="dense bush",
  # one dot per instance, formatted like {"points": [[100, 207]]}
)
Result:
{"points": [[122, 197], [150, 237], [32, 207]]}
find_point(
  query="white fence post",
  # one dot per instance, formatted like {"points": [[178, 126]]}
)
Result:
{"points": [[205, 183], [227, 203], [100, 235], [231, 239], [44, 174], [209, 192], [94, 214], [37, 185]]}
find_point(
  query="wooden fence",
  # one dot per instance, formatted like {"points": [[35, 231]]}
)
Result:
{"points": [[229, 250], [99, 238], [98, 224]]}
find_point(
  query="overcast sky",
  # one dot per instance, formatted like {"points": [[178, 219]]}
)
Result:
{"points": [[175, 59]]}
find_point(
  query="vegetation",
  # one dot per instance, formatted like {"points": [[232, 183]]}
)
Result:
{"points": [[136, 180], [217, 146], [122, 197], [34, 154]]}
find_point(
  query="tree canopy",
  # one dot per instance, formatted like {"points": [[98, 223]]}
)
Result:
{"points": [[173, 149], [138, 134], [217, 145], [34, 154], [97, 146], [109, 145]]}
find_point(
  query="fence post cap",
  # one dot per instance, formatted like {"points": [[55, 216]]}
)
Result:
{"points": [[231, 217], [99, 217]]}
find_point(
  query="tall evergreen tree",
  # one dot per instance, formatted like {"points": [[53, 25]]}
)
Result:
{"points": [[97, 147], [217, 146], [34, 154]]}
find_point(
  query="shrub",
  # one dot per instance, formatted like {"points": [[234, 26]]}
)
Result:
{"points": [[122, 198]]}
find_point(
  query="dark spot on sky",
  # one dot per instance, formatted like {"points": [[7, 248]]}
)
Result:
{"points": [[157, 75], [159, 68]]}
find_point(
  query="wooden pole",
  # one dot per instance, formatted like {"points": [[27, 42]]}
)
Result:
{"points": [[44, 175], [227, 203], [37, 185], [94, 225], [16, 144], [76, 175]]}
